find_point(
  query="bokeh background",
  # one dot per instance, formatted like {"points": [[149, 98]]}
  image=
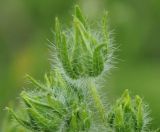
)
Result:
{"points": [[25, 26]]}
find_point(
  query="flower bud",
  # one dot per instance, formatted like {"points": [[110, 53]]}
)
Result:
{"points": [[54, 105], [83, 53], [128, 114]]}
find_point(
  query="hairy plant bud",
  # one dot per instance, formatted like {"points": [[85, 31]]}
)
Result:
{"points": [[128, 115], [54, 105], [83, 53]]}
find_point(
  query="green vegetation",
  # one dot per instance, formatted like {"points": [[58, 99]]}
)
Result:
{"points": [[129, 115], [69, 100]]}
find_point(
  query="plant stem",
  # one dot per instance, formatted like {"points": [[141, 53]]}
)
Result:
{"points": [[98, 102]]}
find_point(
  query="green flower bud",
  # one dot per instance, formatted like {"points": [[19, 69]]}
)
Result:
{"points": [[54, 105], [128, 115], [83, 53]]}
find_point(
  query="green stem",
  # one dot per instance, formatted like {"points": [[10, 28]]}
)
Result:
{"points": [[98, 102]]}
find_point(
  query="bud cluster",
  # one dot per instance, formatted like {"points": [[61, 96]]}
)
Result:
{"points": [[129, 115], [54, 105]]}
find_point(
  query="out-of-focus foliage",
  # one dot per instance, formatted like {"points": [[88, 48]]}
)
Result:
{"points": [[11, 125], [25, 25]]}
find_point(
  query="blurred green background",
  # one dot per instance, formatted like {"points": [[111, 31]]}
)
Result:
{"points": [[25, 26]]}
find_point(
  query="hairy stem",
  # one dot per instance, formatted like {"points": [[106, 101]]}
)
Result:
{"points": [[97, 101]]}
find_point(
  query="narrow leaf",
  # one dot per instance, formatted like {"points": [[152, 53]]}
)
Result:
{"points": [[79, 15], [98, 62]]}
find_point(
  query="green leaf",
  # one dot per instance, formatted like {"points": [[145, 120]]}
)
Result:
{"points": [[73, 123], [22, 122], [119, 117], [139, 113], [65, 56], [104, 26], [43, 123], [79, 15], [42, 106], [82, 33], [58, 33], [98, 61], [35, 82]]}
